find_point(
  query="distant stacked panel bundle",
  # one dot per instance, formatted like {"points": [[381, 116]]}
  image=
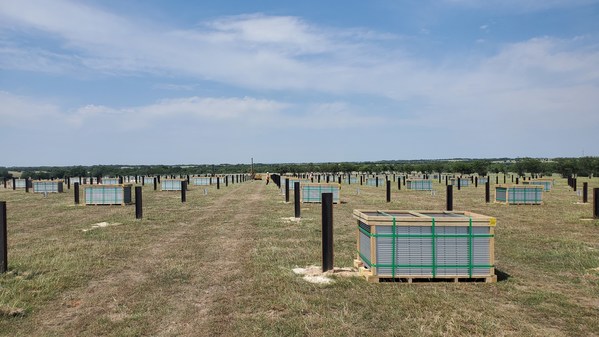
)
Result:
{"points": [[171, 184], [110, 181], [373, 181], [107, 194], [546, 183], [425, 244], [482, 180], [463, 182], [74, 180], [292, 182], [48, 186], [419, 184], [148, 180], [201, 181], [351, 180], [312, 192], [20, 183], [519, 194]]}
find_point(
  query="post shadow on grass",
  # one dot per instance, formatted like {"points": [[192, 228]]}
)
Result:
{"points": [[501, 275]]}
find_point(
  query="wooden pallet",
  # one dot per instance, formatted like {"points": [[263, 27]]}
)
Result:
{"points": [[370, 277]]}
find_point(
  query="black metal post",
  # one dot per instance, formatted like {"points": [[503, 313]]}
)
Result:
{"points": [[328, 178], [14, 184], [3, 239], [327, 231], [585, 192], [361, 180], [138, 203], [183, 191], [596, 203], [399, 184], [27, 185], [339, 180], [388, 191], [459, 179], [296, 198], [446, 180], [476, 182], [218, 183], [517, 180], [450, 197], [497, 180], [377, 181], [286, 189], [487, 192], [76, 193], [4, 180], [155, 183], [574, 183]]}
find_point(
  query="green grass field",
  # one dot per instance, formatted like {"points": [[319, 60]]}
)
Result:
{"points": [[221, 264]]}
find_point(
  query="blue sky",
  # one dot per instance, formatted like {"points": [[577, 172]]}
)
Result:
{"points": [[183, 82]]}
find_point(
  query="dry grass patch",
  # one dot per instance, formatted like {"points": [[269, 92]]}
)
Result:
{"points": [[221, 264]]}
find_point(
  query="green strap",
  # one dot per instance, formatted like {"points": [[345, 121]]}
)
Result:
{"points": [[470, 260], [393, 237], [425, 236], [434, 248], [393, 246]]}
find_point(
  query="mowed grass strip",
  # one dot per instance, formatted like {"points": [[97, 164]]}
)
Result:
{"points": [[221, 264]]}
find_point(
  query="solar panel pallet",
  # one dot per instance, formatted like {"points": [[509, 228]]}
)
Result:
{"points": [[372, 181], [292, 181], [419, 184], [201, 181], [312, 192], [110, 181], [48, 186], [351, 180], [546, 183], [425, 245], [148, 180], [463, 182], [519, 194], [171, 184], [20, 183], [107, 194]]}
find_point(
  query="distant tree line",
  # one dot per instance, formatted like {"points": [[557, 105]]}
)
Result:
{"points": [[565, 166]]}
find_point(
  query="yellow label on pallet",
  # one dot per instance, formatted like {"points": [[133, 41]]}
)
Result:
{"points": [[492, 222]]}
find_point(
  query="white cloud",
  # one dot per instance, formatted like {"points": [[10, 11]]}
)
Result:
{"points": [[288, 54], [192, 110], [23, 112]]}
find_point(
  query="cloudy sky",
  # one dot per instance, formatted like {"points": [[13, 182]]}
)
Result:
{"points": [[183, 82]]}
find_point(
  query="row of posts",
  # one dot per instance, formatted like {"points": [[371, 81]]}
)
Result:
{"points": [[139, 197]]}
